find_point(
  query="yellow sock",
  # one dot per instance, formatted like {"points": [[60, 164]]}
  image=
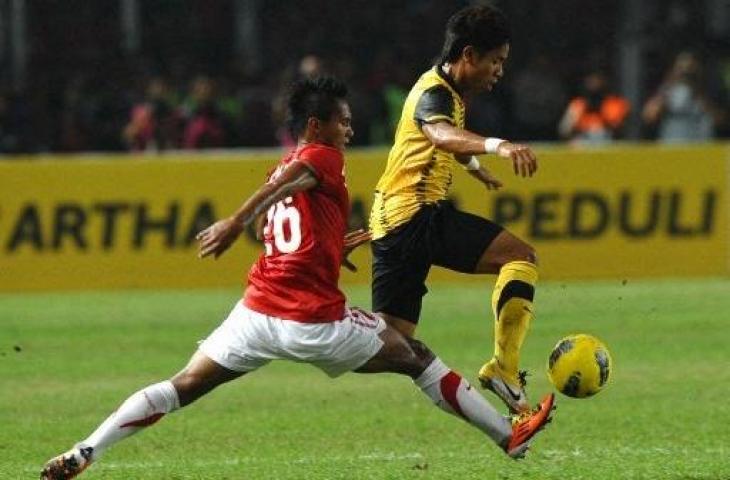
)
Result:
{"points": [[512, 306]]}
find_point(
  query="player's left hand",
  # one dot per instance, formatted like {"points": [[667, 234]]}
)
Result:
{"points": [[523, 158], [490, 181], [218, 237], [353, 240]]}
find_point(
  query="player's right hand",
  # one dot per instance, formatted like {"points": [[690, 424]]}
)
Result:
{"points": [[523, 158], [353, 240], [218, 237]]}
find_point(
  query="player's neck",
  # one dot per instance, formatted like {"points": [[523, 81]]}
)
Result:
{"points": [[308, 138], [454, 75], [303, 142]]}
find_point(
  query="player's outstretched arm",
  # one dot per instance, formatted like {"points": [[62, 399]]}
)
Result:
{"points": [[216, 239], [478, 171], [464, 143]]}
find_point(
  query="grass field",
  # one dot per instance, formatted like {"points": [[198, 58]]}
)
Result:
{"points": [[67, 361]]}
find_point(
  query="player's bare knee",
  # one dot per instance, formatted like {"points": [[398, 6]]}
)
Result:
{"points": [[530, 255], [511, 251], [522, 253], [404, 327]]}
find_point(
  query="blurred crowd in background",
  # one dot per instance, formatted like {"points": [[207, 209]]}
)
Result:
{"points": [[187, 84]]}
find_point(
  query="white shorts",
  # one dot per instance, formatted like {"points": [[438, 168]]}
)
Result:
{"points": [[247, 340]]}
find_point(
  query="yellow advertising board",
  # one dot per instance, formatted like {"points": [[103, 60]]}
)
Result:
{"points": [[129, 222], [618, 212]]}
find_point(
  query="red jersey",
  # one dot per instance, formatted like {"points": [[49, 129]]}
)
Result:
{"points": [[296, 277]]}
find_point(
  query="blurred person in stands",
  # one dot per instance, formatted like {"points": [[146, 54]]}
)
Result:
{"points": [[681, 108], [75, 124], [258, 124], [538, 99], [394, 93], [206, 124], [309, 66], [232, 106], [386, 93], [597, 115], [9, 127], [155, 123]]}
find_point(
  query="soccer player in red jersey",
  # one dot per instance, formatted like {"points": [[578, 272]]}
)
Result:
{"points": [[292, 308]]}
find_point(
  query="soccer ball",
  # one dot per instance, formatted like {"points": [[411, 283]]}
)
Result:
{"points": [[579, 366]]}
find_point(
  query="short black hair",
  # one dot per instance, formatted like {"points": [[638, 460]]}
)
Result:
{"points": [[482, 26], [313, 97]]}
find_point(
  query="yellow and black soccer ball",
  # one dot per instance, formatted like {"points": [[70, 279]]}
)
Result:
{"points": [[579, 366]]}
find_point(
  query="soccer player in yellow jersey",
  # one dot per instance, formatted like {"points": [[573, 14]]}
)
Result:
{"points": [[413, 227]]}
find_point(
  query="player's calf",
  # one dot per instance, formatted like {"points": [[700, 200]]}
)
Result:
{"points": [[453, 394]]}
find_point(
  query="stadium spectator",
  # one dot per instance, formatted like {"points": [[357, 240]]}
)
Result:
{"points": [[489, 112], [10, 137], [597, 115], [206, 125], [413, 224], [75, 120], [722, 86], [309, 66], [538, 99], [394, 93], [292, 308], [681, 108], [231, 103], [258, 127], [155, 123]]}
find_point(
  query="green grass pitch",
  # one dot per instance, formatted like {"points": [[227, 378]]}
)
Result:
{"points": [[68, 360]]}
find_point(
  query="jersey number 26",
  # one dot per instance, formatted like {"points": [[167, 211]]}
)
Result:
{"points": [[278, 215]]}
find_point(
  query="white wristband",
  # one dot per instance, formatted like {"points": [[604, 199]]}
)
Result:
{"points": [[491, 144], [473, 164]]}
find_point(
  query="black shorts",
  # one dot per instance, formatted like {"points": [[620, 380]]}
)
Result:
{"points": [[437, 234]]}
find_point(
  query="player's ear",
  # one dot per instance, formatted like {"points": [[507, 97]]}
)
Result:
{"points": [[469, 54], [313, 124]]}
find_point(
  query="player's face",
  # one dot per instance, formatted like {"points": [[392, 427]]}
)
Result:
{"points": [[486, 69], [337, 131]]}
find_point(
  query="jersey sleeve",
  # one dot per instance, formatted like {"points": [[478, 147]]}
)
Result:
{"points": [[325, 163], [435, 105]]}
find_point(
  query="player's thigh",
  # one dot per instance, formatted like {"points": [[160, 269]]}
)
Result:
{"points": [[401, 262], [505, 248], [459, 239], [237, 346], [334, 347], [242, 343]]}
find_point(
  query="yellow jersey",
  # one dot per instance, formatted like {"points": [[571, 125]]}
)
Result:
{"points": [[417, 173]]}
